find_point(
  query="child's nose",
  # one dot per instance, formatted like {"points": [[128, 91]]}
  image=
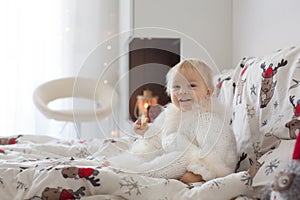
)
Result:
{"points": [[183, 90]]}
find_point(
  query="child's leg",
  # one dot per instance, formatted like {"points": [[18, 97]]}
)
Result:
{"points": [[169, 165]]}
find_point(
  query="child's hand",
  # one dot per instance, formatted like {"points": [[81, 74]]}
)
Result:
{"points": [[140, 127], [190, 177]]}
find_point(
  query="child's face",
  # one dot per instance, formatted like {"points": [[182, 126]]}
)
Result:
{"points": [[188, 90]]}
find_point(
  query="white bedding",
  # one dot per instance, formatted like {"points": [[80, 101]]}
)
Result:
{"points": [[32, 166], [41, 165]]}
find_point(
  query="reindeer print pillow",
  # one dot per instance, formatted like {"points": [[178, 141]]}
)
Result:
{"points": [[265, 102], [272, 162]]}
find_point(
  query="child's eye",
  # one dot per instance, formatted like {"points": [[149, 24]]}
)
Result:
{"points": [[192, 85], [175, 87]]}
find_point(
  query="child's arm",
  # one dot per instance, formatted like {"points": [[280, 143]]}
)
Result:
{"points": [[146, 147], [151, 140]]}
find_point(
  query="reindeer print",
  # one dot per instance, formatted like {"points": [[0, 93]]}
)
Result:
{"points": [[268, 84], [294, 127], [62, 194], [240, 87], [295, 106], [296, 84], [8, 141], [86, 173], [294, 124], [255, 166], [220, 83]]}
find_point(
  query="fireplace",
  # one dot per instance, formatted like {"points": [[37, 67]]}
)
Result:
{"points": [[149, 61]]}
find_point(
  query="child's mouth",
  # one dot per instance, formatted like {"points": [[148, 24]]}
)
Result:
{"points": [[184, 100]]}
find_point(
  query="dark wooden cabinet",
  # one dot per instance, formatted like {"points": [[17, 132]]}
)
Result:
{"points": [[149, 62]]}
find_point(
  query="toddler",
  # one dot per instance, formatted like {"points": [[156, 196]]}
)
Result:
{"points": [[189, 140]]}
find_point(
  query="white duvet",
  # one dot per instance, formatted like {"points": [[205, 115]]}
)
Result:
{"points": [[41, 167]]}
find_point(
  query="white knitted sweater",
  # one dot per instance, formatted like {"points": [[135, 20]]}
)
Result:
{"points": [[182, 141]]}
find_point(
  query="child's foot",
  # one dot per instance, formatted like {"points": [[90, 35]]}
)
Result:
{"points": [[190, 177]]}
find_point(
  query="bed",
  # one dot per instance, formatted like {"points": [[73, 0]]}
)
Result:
{"points": [[262, 95]]}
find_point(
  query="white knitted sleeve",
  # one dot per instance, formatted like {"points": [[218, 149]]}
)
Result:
{"points": [[151, 142]]}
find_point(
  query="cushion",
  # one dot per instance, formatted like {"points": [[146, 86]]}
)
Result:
{"points": [[263, 94], [272, 162]]}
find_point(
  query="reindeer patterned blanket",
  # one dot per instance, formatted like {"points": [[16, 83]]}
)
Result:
{"points": [[40, 167], [263, 97]]}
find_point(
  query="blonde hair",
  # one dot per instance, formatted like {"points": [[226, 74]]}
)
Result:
{"points": [[191, 65]]}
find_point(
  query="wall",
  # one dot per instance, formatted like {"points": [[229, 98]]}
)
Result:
{"points": [[263, 26], [197, 22], [92, 30], [228, 29]]}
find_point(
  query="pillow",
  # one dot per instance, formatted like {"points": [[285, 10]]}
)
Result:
{"points": [[273, 162], [264, 96]]}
